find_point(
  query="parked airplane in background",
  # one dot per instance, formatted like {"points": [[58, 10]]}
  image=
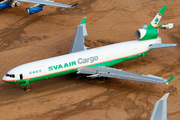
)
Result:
{"points": [[160, 109], [32, 10], [95, 61]]}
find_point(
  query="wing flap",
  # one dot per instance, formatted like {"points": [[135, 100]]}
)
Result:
{"points": [[115, 73], [46, 2]]}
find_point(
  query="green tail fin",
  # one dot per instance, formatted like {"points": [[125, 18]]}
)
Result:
{"points": [[156, 19]]}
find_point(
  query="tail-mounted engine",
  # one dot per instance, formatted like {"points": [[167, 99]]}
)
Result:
{"points": [[151, 31], [146, 34]]}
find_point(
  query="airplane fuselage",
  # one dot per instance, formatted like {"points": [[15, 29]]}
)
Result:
{"points": [[102, 56]]}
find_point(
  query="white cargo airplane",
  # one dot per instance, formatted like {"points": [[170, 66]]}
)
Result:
{"points": [[95, 61], [32, 10]]}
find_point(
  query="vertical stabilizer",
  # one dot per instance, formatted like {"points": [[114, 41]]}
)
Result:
{"points": [[151, 31], [156, 19]]}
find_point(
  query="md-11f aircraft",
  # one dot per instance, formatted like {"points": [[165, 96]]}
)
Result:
{"points": [[36, 8], [95, 62]]}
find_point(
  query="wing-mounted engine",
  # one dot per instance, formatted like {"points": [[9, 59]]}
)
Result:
{"points": [[8, 3], [35, 9], [4, 5], [151, 31]]}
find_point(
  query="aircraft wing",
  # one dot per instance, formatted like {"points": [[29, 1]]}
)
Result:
{"points": [[115, 73], [78, 41], [160, 109], [47, 2]]}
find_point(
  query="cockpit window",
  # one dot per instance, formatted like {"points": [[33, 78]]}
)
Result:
{"points": [[11, 75]]}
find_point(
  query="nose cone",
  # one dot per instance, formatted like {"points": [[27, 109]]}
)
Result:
{"points": [[5, 79], [9, 78]]}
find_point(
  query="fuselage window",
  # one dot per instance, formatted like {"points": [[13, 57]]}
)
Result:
{"points": [[11, 75], [7, 75]]}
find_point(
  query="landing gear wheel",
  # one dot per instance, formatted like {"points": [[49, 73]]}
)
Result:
{"points": [[13, 4], [104, 78], [26, 88], [18, 4]]}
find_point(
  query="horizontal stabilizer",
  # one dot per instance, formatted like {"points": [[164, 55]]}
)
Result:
{"points": [[169, 25], [160, 109], [161, 45]]}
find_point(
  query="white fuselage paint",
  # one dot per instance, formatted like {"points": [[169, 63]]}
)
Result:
{"points": [[100, 54]]}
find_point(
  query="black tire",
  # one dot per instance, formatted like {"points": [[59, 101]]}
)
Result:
{"points": [[26, 88]]}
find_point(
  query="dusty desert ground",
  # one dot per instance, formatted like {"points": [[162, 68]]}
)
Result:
{"points": [[25, 38]]}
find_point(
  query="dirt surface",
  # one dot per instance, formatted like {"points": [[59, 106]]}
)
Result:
{"points": [[26, 38]]}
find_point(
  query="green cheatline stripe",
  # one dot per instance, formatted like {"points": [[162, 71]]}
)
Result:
{"points": [[83, 20], [108, 63]]}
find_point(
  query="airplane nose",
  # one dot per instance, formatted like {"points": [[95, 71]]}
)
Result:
{"points": [[9, 77], [4, 79], [7, 80]]}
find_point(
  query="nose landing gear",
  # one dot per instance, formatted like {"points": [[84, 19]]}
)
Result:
{"points": [[26, 88], [104, 78]]}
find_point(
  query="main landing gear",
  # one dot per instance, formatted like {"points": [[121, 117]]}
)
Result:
{"points": [[15, 3], [26, 88], [104, 78]]}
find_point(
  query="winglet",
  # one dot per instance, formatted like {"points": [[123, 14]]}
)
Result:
{"points": [[157, 18], [170, 79], [78, 41], [83, 23], [74, 5], [83, 20]]}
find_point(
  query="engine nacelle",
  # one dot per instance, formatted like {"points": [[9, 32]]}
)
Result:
{"points": [[4, 5], [146, 34], [33, 10]]}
